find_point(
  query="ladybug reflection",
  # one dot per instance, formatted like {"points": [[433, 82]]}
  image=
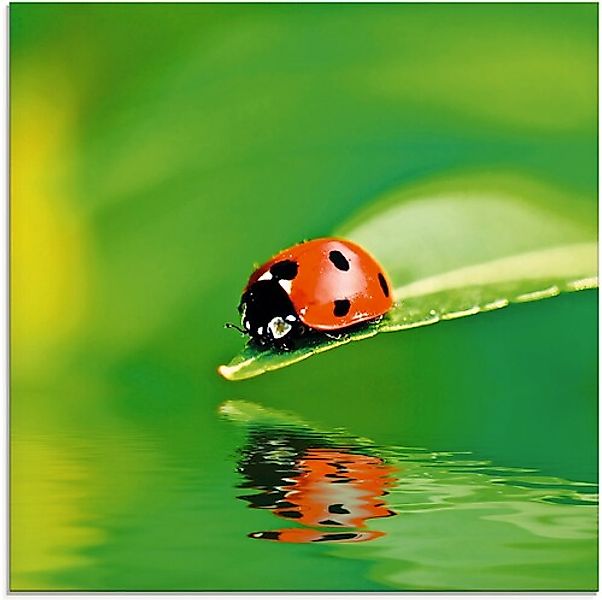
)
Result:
{"points": [[330, 491], [318, 287]]}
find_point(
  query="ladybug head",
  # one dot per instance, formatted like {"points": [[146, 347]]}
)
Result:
{"points": [[268, 316]]}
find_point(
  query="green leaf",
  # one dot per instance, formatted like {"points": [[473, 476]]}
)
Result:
{"points": [[458, 246]]}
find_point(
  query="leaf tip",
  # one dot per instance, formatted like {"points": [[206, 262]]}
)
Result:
{"points": [[232, 371], [226, 372]]}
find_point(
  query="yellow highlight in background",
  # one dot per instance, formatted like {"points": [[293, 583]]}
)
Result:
{"points": [[48, 264]]}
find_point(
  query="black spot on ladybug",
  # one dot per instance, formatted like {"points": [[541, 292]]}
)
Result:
{"points": [[290, 514], [337, 509], [285, 504], [329, 522], [285, 269], [341, 307], [383, 284], [338, 260]]}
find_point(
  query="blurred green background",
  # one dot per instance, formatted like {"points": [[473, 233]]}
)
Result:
{"points": [[157, 152]]}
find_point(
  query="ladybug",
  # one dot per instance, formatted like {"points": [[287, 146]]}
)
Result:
{"points": [[319, 286]]}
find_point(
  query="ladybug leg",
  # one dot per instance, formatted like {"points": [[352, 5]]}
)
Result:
{"points": [[334, 336], [233, 326]]}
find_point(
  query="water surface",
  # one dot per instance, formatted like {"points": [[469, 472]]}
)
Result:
{"points": [[279, 504]]}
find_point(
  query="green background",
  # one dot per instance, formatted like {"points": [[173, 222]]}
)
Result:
{"points": [[157, 152]]}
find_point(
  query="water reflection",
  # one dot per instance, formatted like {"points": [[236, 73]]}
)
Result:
{"points": [[329, 489], [464, 523], [122, 509]]}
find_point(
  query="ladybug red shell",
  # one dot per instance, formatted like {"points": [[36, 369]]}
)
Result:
{"points": [[323, 285]]}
